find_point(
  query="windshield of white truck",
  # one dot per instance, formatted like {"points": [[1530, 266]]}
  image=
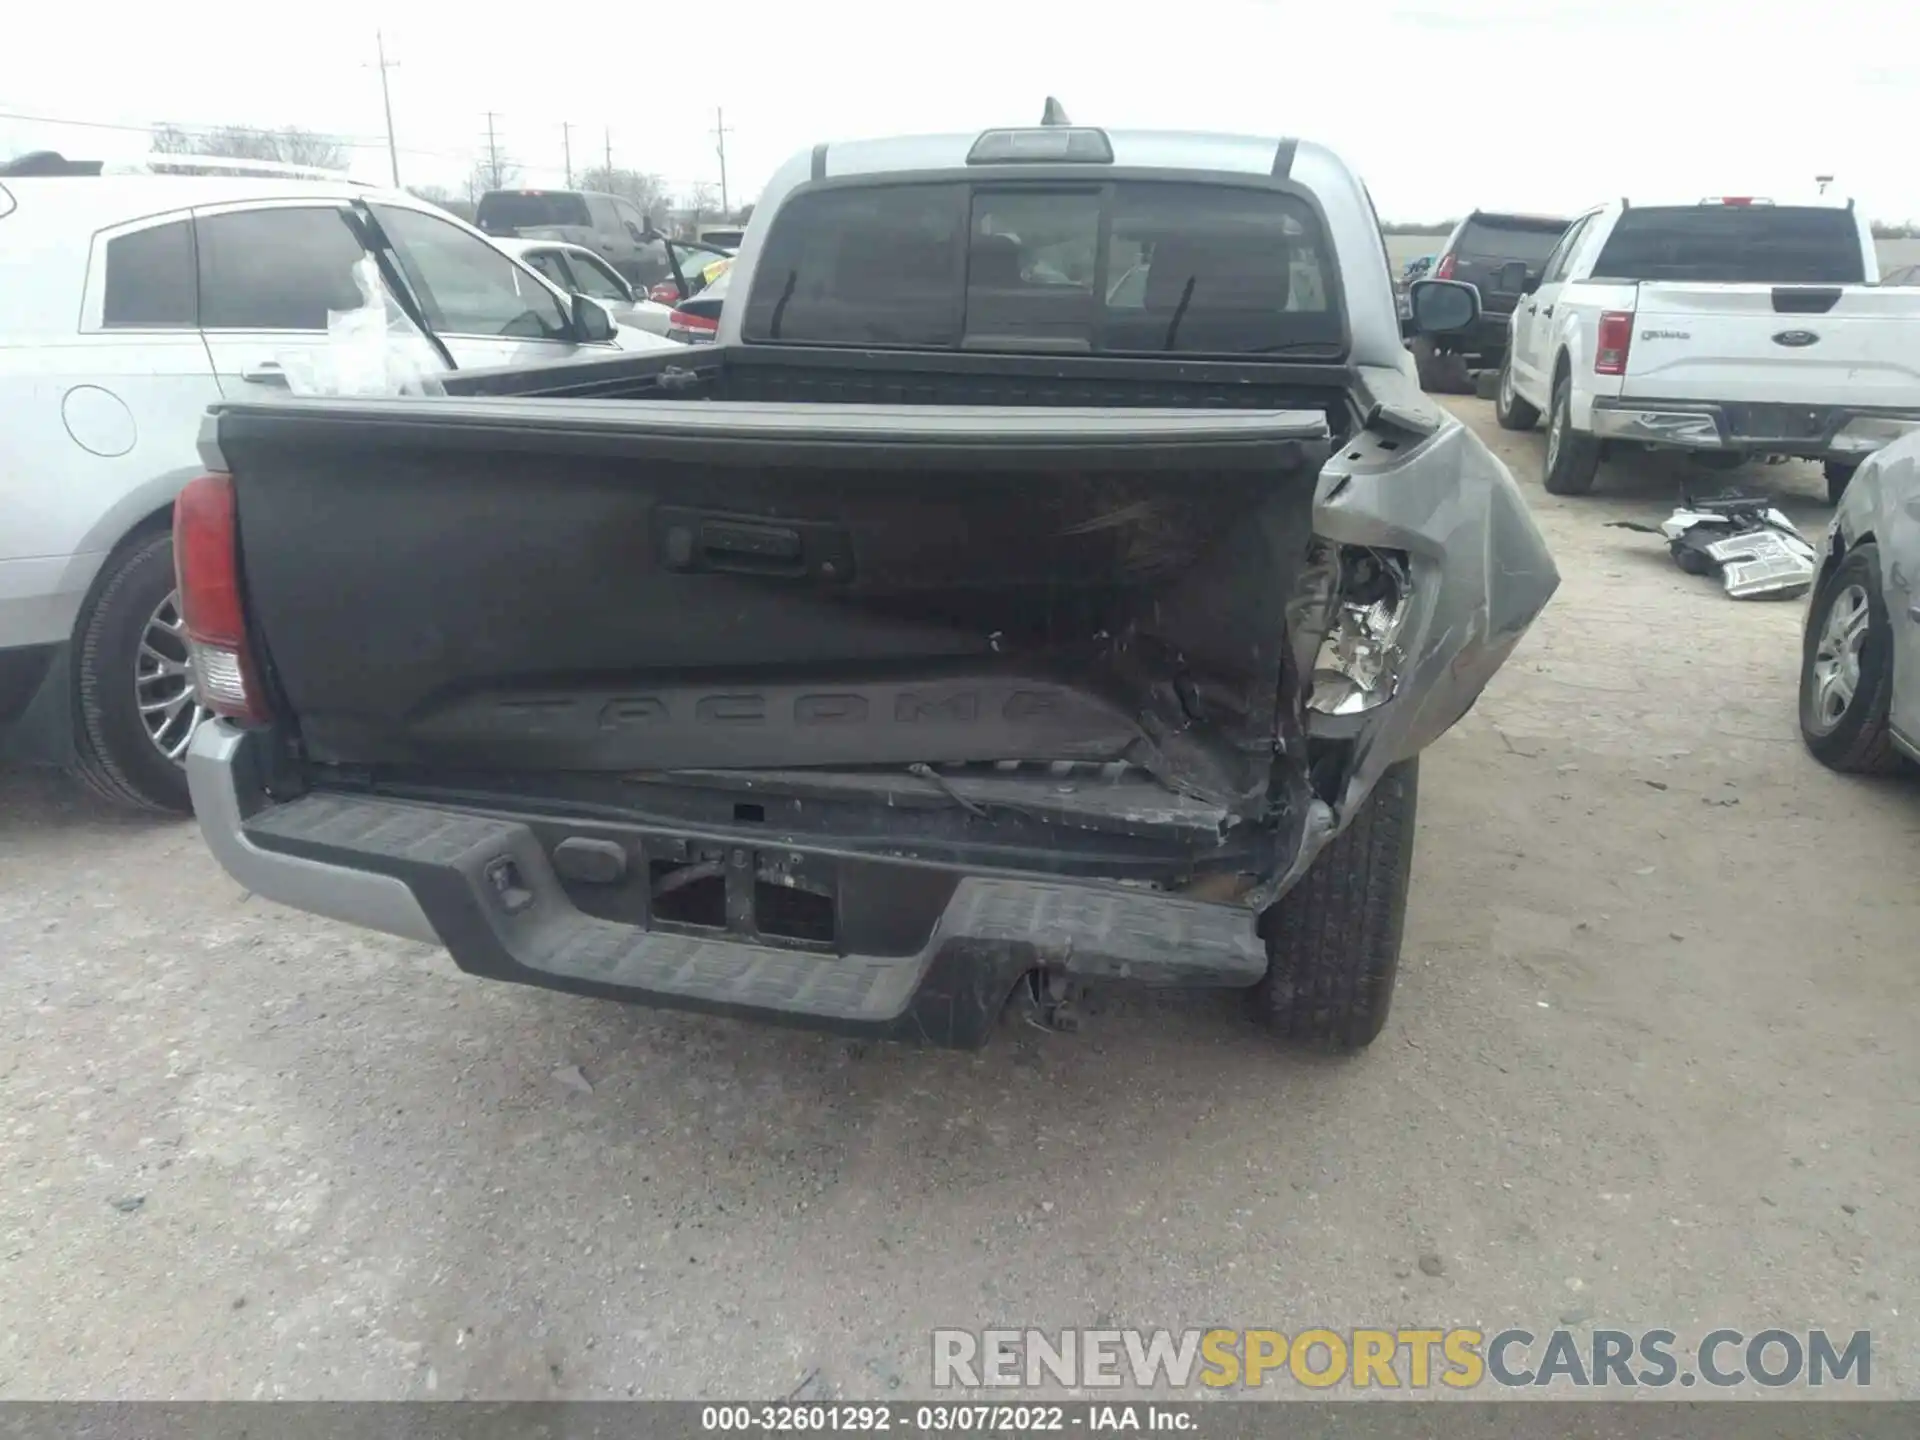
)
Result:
{"points": [[1132, 267], [1735, 245]]}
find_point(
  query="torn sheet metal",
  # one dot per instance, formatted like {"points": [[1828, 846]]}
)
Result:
{"points": [[372, 349], [1755, 550], [1477, 574]]}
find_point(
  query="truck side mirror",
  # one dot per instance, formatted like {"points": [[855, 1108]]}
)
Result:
{"points": [[1443, 307]]}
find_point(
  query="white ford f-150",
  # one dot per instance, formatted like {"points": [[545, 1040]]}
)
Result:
{"points": [[1732, 327]]}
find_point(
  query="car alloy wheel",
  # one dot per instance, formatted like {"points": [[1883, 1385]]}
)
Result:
{"points": [[163, 682], [1836, 658]]}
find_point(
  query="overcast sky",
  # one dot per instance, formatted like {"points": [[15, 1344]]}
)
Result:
{"points": [[1526, 104]]}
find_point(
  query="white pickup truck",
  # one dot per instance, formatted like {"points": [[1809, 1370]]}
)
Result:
{"points": [[1729, 327]]}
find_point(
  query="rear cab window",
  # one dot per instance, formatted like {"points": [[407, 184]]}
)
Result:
{"points": [[1120, 267], [502, 212], [1734, 245]]}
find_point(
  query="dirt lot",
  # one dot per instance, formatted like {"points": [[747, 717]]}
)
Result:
{"points": [[1652, 1062]]}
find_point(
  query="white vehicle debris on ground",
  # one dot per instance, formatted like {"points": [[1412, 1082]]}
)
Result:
{"points": [[1654, 1061]]}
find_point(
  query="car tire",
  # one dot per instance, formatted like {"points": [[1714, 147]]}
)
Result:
{"points": [[1510, 411], [1333, 941], [117, 756], [1838, 475], [1573, 459], [1441, 373], [1846, 656]]}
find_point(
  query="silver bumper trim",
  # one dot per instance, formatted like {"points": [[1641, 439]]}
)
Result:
{"points": [[374, 902], [1694, 429]]}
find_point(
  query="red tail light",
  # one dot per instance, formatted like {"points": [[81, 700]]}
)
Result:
{"points": [[702, 325], [1444, 270], [206, 561], [665, 293], [1616, 335]]}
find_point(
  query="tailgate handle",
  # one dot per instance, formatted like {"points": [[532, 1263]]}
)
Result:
{"points": [[1805, 299], [757, 544], [744, 546]]}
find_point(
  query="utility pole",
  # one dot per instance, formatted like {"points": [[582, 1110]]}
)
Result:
{"points": [[493, 155], [609, 155], [566, 148], [720, 145], [386, 100]]}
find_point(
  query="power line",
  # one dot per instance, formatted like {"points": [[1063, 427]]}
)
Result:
{"points": [[345, 142]]}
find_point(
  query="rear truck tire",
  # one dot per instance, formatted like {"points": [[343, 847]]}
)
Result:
{"points": [[1333, 941], [1839, 474], [1441, 372], [1573, 459], [1509, 409], [121, 664], [1846, 669]]}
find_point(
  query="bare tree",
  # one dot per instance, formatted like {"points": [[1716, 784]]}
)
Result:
{"points": [[647, 192], [492, 172], [289, 146], [700, 201]]}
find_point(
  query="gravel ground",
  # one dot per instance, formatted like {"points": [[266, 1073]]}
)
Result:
{"points": [[1651, 1063]]}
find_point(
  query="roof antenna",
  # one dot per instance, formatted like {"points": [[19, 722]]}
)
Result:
{"points": [[1054, 114]]}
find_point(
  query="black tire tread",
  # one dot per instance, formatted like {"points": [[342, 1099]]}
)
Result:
{"points": [[1522, 416], [1838, 477], [1579, 454], [96, 764], [1333, 941], [1860, 744]]}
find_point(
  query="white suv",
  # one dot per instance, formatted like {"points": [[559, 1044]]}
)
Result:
{"points": [[127, 305]]}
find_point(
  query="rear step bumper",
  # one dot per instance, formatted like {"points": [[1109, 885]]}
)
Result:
{"points": [[483, 887], [1815, 432]]}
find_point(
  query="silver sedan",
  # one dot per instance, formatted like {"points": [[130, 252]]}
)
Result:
{"points": [[1860, 661]]}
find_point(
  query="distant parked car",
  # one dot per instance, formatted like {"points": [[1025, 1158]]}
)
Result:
{"points": [[1417, 268], [697, 321], [606, 224], [1501, 255], [1860, 658], [726, 237], [579, 271], [696, 267], [128, 304]]}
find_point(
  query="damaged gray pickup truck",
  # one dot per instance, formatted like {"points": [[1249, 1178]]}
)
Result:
{"points": [[1049, 578]]}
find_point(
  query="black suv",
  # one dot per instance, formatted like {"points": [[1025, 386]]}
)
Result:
{"points": [[1501, 255]]}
